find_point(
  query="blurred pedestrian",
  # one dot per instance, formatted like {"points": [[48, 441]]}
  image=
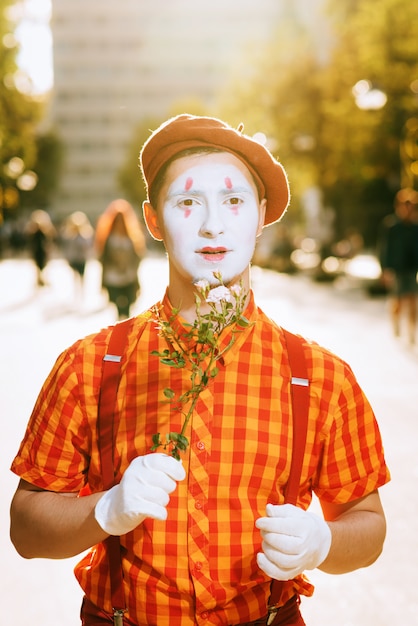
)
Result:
{"points": [[398, 253], [76, 242], [120, 246], [40, 233]]}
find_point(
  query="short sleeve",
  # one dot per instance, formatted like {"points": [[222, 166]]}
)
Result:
{"points": [[54, 453], [353, 463]]}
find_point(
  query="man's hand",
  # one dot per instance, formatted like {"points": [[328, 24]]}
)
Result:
{"points": [[293, 541], [143, 492]]}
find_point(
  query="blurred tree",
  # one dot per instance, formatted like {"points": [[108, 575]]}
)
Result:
{"points": [[19, 115], [49, 150], [29, 161], [301, 96], [380, 49]]}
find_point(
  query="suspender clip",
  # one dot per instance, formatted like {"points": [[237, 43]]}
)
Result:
{"points": [[118, 617], [114, 358], [302, 382]]}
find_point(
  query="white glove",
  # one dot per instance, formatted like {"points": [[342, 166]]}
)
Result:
{"points": [[293, 540], [142, 492]]}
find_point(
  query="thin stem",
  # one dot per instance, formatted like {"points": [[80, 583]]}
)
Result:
{"points": [[194, 347]]}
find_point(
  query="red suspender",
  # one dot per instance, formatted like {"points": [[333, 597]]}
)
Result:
{"points": [[300, 411], [112, 363]]}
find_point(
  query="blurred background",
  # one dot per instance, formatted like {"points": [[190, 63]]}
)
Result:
{"points": [[331, 86]]}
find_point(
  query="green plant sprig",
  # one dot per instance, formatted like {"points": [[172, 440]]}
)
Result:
{"points": [[198, 349]]}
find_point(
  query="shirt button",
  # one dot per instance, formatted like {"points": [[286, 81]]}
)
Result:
{"points": [[200, 445], [204, 615], [198, 565], [198, 504]]}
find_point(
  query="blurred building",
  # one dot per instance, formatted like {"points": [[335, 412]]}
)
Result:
{"points": [[117, 63]]}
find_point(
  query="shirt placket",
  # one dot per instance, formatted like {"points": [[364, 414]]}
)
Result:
{"points": [[198, 514]]}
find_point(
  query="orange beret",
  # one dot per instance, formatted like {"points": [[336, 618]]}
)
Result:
{"points": [[188, 131]]}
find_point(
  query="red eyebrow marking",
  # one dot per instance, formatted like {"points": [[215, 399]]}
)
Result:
{"points": [[228, 182], [189, 183]]}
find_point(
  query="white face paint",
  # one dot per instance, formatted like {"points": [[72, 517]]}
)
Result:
{"points": [[209, 217]]}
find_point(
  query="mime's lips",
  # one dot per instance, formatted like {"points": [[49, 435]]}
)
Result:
{"points": [[213, 254]]}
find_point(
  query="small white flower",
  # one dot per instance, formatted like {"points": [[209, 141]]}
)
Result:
{"points": [[202, 285], [218, 294], [236, 290]]}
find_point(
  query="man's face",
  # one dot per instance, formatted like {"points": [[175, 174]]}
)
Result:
{"points": [[209, 217], [406, 211]]}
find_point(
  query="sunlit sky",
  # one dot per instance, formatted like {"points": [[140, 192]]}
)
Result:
{"points": [[35, 56]]}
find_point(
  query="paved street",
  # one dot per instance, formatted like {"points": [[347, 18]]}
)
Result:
{"points": [[35, 325]]}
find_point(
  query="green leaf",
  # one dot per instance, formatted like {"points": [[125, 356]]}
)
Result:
{"points": [[169, 393], [182, 443], [169, 362], [214, 372], [210, 338], [162, 355], [156, 442], [180, 440], [175, 454]]}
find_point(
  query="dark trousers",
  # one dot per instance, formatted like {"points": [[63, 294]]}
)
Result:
{"points": [[287, 615]]}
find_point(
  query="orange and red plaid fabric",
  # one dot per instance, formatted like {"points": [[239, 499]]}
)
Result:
{"points": [[199, 567]]}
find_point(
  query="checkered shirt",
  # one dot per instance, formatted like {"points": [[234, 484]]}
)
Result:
{"points": [[199, 566]]}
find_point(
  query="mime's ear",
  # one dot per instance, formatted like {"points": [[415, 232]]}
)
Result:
{"points": [[151, 220], [261, 216]]}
